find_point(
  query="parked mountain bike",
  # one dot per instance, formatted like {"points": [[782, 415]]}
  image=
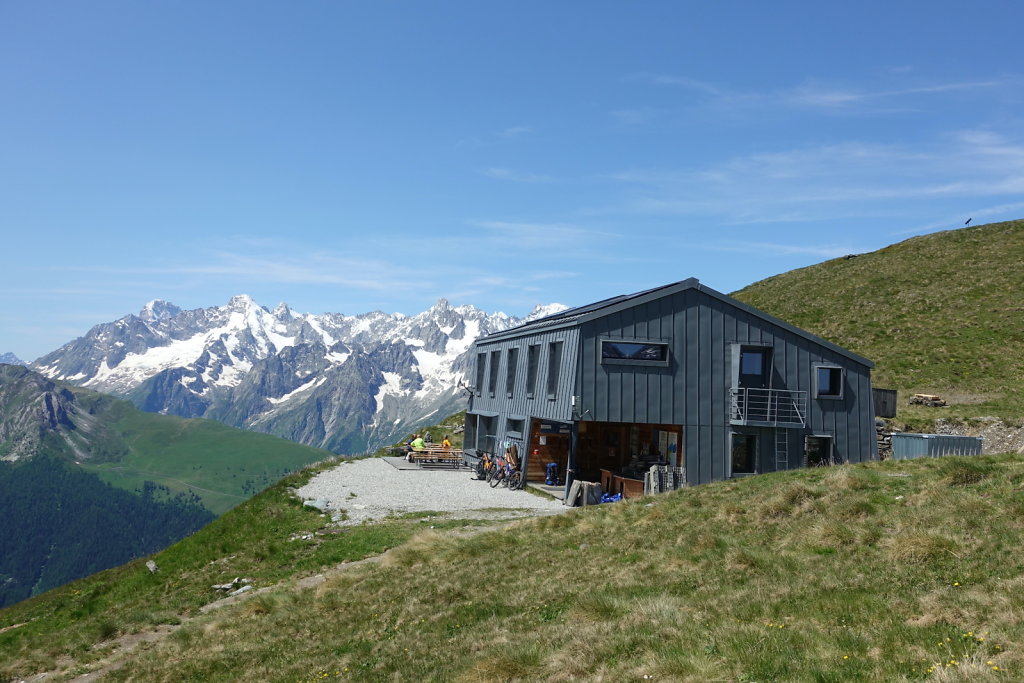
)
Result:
{"points": [[496, 471], [507, 472], [483, 466]]}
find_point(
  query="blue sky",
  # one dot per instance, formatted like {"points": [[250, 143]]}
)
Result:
{"points": [[355, 156]]}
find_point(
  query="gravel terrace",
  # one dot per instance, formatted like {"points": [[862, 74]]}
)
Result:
{"points": [[372, 488]]}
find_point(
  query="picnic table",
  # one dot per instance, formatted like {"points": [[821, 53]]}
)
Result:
{"points": [[437, 455]]}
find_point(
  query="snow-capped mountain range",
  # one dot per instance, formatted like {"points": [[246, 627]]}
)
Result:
{"points": [[11, 359], [345, 383]]}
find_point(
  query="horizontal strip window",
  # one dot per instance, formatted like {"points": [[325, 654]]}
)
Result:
{"points": [[634, 352]]}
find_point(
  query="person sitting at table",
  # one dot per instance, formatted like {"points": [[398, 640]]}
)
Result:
{"points": [[445, 443], [427, 438], [411, 447]]}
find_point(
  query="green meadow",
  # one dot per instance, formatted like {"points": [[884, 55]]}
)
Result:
{"points": [[939, 314], [896, 571]]}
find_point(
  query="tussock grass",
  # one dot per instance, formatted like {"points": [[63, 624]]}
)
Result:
{"points": [[877, 572], [939, 314]]}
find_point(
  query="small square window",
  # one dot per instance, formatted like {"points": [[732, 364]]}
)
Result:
{"points": [[829, 382], [514, 428]]}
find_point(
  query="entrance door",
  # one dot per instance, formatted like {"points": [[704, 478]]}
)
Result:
{"points": [[743, 454], [819, 451]]}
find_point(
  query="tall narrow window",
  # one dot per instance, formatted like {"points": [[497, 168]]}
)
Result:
{"points": [[510, 371], [532, 360], [493, 384], [554, 367], [481, 363], [469, 438]]}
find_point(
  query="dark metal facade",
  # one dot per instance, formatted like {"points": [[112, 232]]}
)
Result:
{"points": [[825, 390]]}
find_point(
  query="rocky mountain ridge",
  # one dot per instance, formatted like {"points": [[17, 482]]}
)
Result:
{"points": [[344, 383], [33, 409]]}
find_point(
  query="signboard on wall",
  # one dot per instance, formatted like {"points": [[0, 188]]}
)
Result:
{"points": [[554, 428]]}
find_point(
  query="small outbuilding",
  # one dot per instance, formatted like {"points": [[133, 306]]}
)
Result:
{"points": [[681, 376]]}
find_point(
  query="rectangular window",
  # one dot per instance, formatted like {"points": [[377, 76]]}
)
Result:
{"points": [[634, 352], [755, 363], [510, 371], [486, 438], [495, 356], [554, 367], [481, 363], [469, 437], [514, 428], [744, 454], [829, 382], [532, 360]]}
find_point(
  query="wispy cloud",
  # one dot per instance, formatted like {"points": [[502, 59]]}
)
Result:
{"points": [[514, 131], [640, 116], [674, 80], [499, 173], [977, 215], [297, 267], [818, 95], [814, 95], [780, 249], [827, 181], [550, 235], [499, 137]]}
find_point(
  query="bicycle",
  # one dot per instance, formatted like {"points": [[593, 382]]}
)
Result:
{"points": [[497, 471], [483, 466]]}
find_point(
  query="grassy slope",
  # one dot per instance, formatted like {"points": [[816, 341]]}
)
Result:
{"points": [[938, 314], [869, 572], [255, 540], [222, 465]]}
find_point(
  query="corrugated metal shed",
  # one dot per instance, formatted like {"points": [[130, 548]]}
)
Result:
{"points": [[910, 446]]}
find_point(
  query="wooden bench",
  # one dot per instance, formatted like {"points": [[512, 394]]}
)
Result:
{"points": [[437, 455]]}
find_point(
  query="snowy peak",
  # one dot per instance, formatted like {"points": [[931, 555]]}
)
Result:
{"points": [[242, 302], [542, 311], [282, 312], [11, 359], [340, 382], [158, 309]]}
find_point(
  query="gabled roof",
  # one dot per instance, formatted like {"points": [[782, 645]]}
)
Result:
{"points": [[573, 317]]}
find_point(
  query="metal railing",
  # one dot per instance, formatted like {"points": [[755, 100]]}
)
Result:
{"points": [[771, 407]]}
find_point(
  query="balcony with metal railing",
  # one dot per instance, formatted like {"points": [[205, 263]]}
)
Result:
{"points": [[767, 407]]}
